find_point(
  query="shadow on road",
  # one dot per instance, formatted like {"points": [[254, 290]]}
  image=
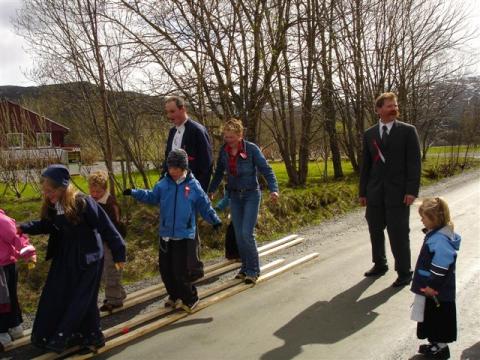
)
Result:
{"points": [[327, 322], [472, 353]]}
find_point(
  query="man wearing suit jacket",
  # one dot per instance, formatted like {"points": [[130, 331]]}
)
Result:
{"points": [[389, 184], [195, 140]]}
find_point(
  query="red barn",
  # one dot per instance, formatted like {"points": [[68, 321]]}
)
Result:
{"points": [[26, 134]]}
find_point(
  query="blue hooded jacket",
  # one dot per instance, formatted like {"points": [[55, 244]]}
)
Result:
{"points": [[179, 204], [436, 264]]}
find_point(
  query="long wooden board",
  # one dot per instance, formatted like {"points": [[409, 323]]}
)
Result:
{"points": [[137, 333]]}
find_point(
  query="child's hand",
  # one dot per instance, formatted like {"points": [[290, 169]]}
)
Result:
{"points": [[32, 259], [119, 265], [274, 197], [428, 291]]}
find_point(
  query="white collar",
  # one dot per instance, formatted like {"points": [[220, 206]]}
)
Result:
{"points": [[182, 178], [104, 198], [180, 128], [388, 125]]}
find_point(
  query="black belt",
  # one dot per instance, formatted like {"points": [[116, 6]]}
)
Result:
{"points": [[242, 190]]}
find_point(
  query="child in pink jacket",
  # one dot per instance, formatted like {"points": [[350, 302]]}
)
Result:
{"points": [[12, 247]]}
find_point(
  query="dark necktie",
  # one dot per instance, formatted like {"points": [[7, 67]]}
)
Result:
{"points": [[384, 135]]}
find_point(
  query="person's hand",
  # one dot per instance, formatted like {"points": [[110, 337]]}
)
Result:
{"points": [[32, 259], [409, 199], [274, 197], [362, 200], [211, 196], [217, 226], [19, 230], [428, 291], [119, 265], [127, 192]]}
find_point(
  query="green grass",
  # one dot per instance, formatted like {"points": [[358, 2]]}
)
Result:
{"points": [[448, 149], [321, 199]]}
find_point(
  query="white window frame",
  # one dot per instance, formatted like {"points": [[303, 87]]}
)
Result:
{"points": [[21, 138], [49, 136]]}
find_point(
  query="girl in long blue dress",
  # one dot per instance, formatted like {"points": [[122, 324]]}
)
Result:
{"points": [[67, 313]]}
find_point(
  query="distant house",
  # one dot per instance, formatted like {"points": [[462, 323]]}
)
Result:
{"points": [[24, 134]]}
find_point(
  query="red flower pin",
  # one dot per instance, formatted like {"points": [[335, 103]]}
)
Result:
{"points": [[243, 155], [187, 191]]}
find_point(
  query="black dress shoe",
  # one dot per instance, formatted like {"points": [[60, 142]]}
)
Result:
{"points": [[377, 271], [435, 352], [402, 280]]}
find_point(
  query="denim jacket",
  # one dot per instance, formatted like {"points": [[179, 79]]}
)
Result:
{"points": [[247, 166]]}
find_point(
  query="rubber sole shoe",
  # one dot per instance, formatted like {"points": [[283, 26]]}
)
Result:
{"points": [[107, 307], [402, 280], [171, 303], [16, 332], [240, 276], [251, 280], [424, 348], [190, 307], [435, 352]]}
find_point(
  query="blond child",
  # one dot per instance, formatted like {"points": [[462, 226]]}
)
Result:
{"points": [[434, 280], [114, 291]]}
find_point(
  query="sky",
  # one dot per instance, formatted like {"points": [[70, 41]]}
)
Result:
{"points": [[15, 62]]}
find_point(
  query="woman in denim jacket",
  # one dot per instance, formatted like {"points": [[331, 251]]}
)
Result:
{"points": [[241, 159]]}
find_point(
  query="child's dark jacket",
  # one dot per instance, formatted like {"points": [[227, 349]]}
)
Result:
{"points": [[436, 264], [94, 228]]}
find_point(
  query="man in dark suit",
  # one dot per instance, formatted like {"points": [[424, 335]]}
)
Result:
{"points": [[389, 184], [192, 137]]}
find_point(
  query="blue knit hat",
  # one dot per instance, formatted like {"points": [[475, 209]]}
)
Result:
{"points": [[58, 173]]}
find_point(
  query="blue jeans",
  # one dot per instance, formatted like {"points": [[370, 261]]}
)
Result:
{"points": [[244, 208]]}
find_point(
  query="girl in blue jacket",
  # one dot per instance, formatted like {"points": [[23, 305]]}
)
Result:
{"points": [[434, 280], [180, 197]]}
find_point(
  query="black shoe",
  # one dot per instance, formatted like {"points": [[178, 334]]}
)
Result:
{"points": [[377, 271], [95, 340], [424, 348], [108, 307], [57, 344], [402, 280], [435, 352], [190, 306]]}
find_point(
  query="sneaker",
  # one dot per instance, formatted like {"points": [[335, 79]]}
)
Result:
{"points": [[436, 352], [251, 279], [241, 276], [16, 332], [171, 303], [5, 339], [190, 307]]}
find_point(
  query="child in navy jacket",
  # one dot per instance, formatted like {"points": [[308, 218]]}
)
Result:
{"points": [[434, 280], [180, 197]]}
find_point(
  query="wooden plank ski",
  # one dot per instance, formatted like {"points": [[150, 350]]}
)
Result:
{"points": [[135, 334], [158, 290], [143, 318]]}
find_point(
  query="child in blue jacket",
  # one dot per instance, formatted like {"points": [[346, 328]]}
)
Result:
{"points": [[180, 197], [434, 281]]}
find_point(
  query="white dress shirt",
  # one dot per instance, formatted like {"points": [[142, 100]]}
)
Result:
{"points": [[177, 138], [389, 127]]}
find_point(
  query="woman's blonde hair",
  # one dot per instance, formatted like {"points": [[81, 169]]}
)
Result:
{"points": [[98, 178], [234, 125], [72, 205], [437, 211]]}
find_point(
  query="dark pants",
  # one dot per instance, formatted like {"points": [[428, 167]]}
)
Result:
{"points": [[194, 264], [14, 316], [396, 220], [172, 261]]}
